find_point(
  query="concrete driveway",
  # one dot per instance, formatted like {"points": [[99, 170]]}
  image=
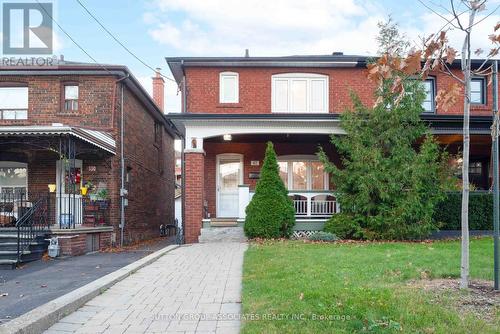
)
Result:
{"points": [[192, 289]]}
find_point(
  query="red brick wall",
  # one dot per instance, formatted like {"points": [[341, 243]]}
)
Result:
{"points": [[250, 151], [45, 107], [151, 192], [193, 195], [152, 177], [255, 89]]}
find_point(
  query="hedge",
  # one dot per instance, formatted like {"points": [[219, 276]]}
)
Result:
{"points": [[448, 212]]}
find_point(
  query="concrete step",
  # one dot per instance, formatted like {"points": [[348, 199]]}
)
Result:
{"points": [[222, 234], [223, 222]]}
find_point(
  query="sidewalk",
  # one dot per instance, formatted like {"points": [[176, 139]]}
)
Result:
{"points": [[194, 288]]}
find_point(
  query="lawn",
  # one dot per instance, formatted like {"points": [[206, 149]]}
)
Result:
{"points": [[359, 288]]}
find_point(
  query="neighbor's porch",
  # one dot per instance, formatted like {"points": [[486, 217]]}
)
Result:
{"points": [[64, 173]]}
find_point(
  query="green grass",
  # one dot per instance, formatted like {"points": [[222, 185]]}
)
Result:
{"points": [[358, 285]]}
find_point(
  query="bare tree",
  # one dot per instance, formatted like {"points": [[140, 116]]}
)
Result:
{"points": [[437, 55]]}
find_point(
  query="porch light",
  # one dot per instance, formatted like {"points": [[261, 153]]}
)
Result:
{"points": [[228, 137], [52, 188]]}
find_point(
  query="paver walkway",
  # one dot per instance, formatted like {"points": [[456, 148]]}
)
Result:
{"points": [[192, 289]]}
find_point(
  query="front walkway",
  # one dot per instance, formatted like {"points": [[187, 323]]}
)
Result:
{"points": [[194, 288]]}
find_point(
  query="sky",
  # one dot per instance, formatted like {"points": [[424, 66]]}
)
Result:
{"points": [[154, 29]]}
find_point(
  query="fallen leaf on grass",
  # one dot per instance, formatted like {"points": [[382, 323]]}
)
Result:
{"points": [[301, 296]]}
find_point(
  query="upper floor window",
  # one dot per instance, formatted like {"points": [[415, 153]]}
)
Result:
{"points": [[477, 91], [13, 103], [430, 95], [300, 93], [71, 97], [157, 133], [228, 87]]}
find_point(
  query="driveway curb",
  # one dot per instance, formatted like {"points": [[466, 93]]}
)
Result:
{"points": [[44, 316]]}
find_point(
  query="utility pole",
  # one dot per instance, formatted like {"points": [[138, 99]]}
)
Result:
{"points": [[496, 196]]}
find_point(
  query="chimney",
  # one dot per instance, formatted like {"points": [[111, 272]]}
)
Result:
{"points": [[159, 89], [247, 53]]}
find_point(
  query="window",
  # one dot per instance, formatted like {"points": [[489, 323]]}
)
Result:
{"points": [[303, 174], [157, 133], [228, 87], [13, 103], [476, 168], [430, 95], [284, 172], [300, 93], [13, 177], [71, 97], [477, 91]]}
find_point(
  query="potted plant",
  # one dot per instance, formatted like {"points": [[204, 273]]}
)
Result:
{"points": [[102, 198]]}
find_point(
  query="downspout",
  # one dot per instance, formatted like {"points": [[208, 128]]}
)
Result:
{"points": [[122, 162], [183, 164]]}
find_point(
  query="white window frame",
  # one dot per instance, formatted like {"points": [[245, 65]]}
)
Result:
{"points": [[432, 82], [309, 78], [222, 98], [307, 159], [14, 164], [17, 111]]}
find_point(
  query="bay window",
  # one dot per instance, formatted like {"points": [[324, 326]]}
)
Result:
{"points": [[300, 93]]}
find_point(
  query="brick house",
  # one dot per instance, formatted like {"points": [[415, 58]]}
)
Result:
{"points": [[70, 135], [233, 105]]}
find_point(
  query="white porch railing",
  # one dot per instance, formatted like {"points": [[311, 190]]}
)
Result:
{"points": [[308, 204]]}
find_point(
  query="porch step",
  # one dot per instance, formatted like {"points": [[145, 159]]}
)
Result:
{"points": [[8, 248], [222, 234], [222, 222]]}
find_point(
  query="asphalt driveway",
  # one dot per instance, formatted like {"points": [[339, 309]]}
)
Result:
{"points": [[39, 282]]}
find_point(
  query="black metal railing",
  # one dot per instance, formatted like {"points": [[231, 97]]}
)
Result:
{"points": [[13, 205], [32, 224]]}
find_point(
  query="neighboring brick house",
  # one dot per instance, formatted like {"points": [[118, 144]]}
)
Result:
{"points": [[61, 140], [233, 105]]}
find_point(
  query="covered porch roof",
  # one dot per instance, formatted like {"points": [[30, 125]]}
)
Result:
{"points": [[99, 139]]}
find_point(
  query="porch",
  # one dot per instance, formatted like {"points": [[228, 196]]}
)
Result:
{"points": [[223, 156], [55, 179]]}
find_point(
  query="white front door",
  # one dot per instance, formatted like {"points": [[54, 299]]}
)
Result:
{"points": [[69, 209], [229, 177]]}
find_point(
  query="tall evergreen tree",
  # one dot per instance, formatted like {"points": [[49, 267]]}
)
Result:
{"points": [[393, 172], [270, 213]]}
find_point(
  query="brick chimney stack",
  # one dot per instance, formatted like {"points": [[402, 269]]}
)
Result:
{"points": [[159, 89]]}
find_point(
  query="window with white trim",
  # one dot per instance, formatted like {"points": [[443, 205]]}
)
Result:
{"points": [[303, 174], [228, 87], [300, 93], [13, 103], [71, 97], [13, 177]]}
